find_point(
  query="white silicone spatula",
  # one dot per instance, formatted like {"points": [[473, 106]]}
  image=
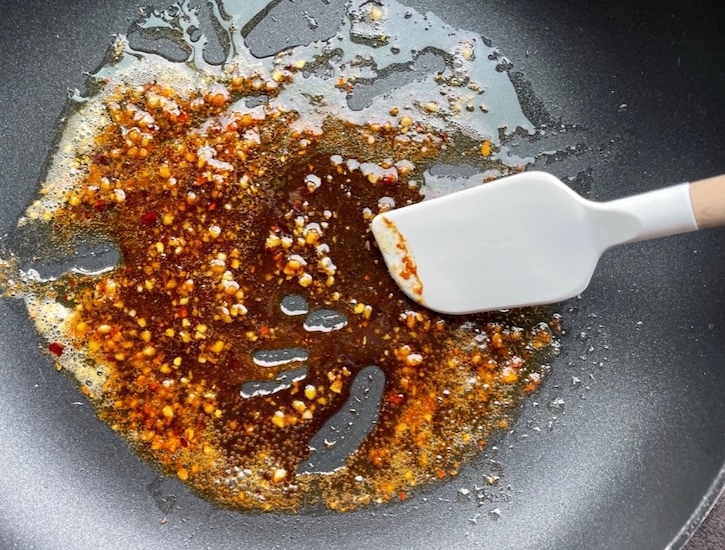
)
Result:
{"points": [[526, 239]]}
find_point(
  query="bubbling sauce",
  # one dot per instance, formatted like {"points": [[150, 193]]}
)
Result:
{"points": [[251, 341]]}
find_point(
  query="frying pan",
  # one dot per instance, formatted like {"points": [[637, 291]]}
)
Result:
{"points": [[624, 445]]}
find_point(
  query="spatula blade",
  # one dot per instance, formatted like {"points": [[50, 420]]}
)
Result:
{"points": [[522, 240]]}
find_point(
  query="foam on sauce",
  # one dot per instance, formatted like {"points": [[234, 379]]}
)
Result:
{"points": [[251, 341]]}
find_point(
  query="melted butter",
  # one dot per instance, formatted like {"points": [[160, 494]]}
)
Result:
{"points": [[229, 188]]}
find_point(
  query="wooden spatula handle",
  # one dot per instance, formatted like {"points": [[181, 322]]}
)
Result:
{"points": [[708, 201]]}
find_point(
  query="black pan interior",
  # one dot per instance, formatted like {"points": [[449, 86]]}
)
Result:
{"points": [[633, 456]]}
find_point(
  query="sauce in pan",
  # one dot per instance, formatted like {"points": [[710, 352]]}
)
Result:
{"points": [[251, 341]]}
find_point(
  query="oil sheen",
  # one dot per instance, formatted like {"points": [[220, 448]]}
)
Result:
{"points": [[239, 328]]}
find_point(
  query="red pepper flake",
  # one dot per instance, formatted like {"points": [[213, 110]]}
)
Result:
{"points": [[389, 179], [99, 205], [182, 117], [212, 206], [149, 218], [396, 398], [56, 348]]}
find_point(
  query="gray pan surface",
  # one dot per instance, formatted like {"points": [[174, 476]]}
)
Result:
{"points": [[632, 458]]}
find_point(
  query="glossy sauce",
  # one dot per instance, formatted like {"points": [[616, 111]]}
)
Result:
{"points": [[252, 310]]}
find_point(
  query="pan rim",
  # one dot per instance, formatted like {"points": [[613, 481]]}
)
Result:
{"points": [[715, 492]]}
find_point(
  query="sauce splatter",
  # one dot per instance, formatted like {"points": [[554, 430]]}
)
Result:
{"points": [[402, 264]]}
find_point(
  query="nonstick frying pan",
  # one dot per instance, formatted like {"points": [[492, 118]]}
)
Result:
{"points": [[629, 448]]}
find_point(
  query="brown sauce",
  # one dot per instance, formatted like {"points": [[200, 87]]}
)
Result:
{"points": [[217, 222]]}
